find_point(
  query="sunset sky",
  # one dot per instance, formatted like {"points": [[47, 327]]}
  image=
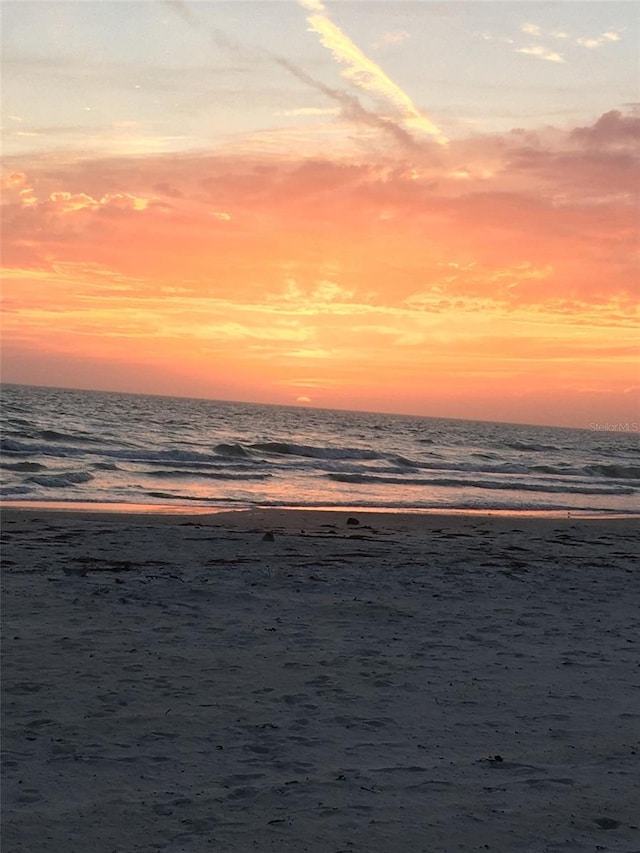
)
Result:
{"points": [[420, 207]]}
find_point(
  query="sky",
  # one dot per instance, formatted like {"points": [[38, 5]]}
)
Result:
{"points": [[415, 207]]}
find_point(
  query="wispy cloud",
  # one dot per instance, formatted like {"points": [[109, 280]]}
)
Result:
{"points": [[391, 38], [598, 41], [590, 42], [544, 38], [541, 53], [364, 73], [489, 37], [311, 111]]}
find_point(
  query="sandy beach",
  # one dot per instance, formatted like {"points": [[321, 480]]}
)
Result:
{"points": [[404, 683]]}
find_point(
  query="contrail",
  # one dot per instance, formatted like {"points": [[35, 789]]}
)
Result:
{"points": [[217, 36], [351, 106], [181, 8], [363, 73]]}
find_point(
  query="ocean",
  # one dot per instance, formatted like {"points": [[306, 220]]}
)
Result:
{"points": [[93, 447]]}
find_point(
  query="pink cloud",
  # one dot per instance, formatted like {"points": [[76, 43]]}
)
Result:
{"points": [[612, 128], [560, 201]]}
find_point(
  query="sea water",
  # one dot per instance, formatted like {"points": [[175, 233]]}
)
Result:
{"points": [[61, 445]]}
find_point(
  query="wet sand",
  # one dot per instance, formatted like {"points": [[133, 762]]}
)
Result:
{"points": [[406, 683]]}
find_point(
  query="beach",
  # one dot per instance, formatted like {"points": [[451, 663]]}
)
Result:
{"points": [[331, 682]]}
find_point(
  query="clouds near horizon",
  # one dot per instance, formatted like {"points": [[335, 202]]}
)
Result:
{"points": [[522, 200], [345, 245], [466, 258]]}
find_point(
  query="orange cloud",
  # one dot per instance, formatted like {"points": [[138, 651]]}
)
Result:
{"points": [[14, 180], [354, 278], [66, 202]]}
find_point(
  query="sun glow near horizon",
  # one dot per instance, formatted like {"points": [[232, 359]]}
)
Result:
{"points": [[493, 276]]}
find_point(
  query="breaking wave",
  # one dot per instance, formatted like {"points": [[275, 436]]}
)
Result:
{"points": [[60, 481], [99, 447]]}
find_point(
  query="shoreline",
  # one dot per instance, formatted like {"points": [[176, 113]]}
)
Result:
{"points": [[168, 510]]}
